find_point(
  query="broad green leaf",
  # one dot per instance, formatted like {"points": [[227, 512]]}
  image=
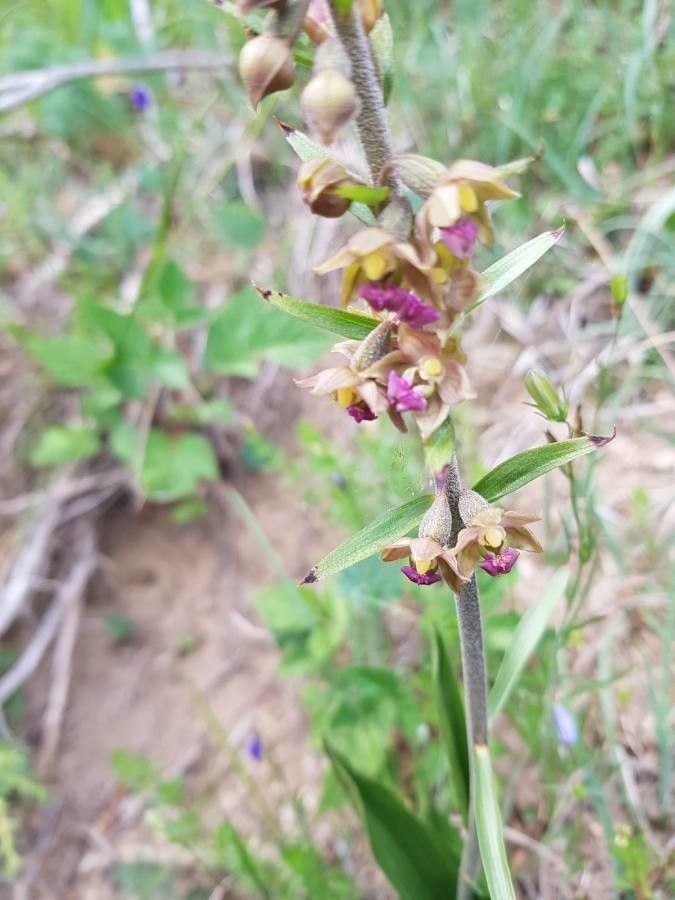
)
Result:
{"points": [[246, 332], [71, 360], [60, 444], [500, 274], [519, 470], [237, 223], [524, 642], [307, 150], [173, 467], [339, 321], [489, 828], [388, 527], [451, 721], [416, 862]]}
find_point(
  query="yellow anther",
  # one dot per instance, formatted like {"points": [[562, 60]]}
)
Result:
{"points": [[423, 565], [432, 367], [345, 397], [467, 198], [375, 266], [493, 537], [439, 276]]}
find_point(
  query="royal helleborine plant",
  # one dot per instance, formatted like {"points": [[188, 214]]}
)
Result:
{"points": [[408, 283]]}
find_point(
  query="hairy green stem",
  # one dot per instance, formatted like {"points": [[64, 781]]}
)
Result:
{"points": [[371, 122], [374, 133]]}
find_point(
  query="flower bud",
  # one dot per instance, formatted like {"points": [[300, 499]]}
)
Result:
{"points": [[420, 174], [318, 179], [328, 102], [373, 347], [265, 66], [369, 12], [546, 398], [437, 520]]}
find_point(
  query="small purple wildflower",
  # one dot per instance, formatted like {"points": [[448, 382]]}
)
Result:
{"points": [[254, 747], [140, 98], [413, 575], [501, 564], [361, 412], [405, 304], [460, 238], [402, 396], [565, 725]]}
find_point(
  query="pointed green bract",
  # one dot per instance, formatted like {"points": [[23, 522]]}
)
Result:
{"points": [[519, 470], [489, 828], [525, 641], [338, 321], [417, 863], [308, 150], [393, 524], [451, 721], [500, 274]]}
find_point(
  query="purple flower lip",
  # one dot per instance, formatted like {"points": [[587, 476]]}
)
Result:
{"points": [[460, 238], [361, 412], [254, 747], [409, 308], [413, 575], [565, 725], [402, 396], [502, 564]]}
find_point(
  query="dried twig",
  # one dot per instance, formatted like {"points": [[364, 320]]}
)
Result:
{"points": [[22, 87], [68, 593]]}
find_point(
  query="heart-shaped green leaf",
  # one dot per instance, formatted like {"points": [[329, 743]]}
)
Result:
{"points": [[525, 641], [489, 828], [519, 470], [500, 274], [388, 527], [417, 863], [339, 321], [451, 721]]}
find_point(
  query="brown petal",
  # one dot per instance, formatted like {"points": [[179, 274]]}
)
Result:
{"points": [[398, 550], [522, 539], [329, 380]]}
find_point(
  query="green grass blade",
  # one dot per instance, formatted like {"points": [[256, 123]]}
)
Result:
{"points": [[501, 273], [489, 828], [388, 527], [409, 852], [525, 467], [339, 321], [452, 722], [524, 642]]}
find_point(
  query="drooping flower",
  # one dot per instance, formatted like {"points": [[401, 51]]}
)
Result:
{"points": [[565, 725], [319, 181], [492, 535], [427, 551], [402, 396], [460, 238]]}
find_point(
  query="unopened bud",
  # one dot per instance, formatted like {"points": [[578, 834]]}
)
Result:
{"points": [[546, 398], [437, 520], [265, 66], [318, 180], [420, 174], [374, 346], [328, 102]]}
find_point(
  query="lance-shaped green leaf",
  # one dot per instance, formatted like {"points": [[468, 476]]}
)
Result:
{"points": [[339, 321], [307, 149], [525, 641], [411, 855], [519, 470], [392, 524], [451, 721], [489, 828], [500, 274]]}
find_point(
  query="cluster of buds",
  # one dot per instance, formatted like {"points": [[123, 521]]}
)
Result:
{"points": [[266, 65], [490, 539]]}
